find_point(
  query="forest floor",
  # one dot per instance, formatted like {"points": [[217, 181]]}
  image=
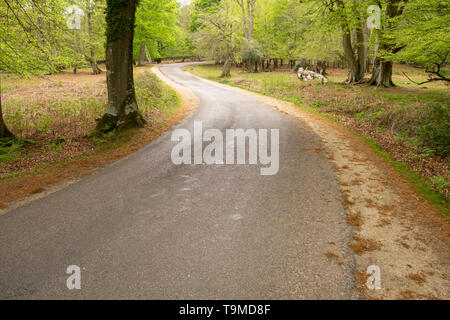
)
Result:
{"points": [[53, 115], [408, 125]]}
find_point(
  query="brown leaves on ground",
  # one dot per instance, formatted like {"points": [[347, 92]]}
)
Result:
{"points": [[417, 277], [361, 245], [354, 219], [428, 167], [333, 257], [411, 295]]}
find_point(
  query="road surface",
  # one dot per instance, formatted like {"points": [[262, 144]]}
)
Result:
{"points": [[145, 228]]}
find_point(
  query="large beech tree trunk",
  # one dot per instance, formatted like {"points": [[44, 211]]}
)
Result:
{"points": [[122, 109], [382, 74], [382, 69], [355, 74], [4, 132], [361, 50], [143, 55], [141, 60], [354, 61], [366, 37]]}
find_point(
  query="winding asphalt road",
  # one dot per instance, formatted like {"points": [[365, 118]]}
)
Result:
{"points": [[146, 228]]}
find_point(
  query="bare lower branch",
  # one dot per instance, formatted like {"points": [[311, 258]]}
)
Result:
{"points": [[431, 79]]}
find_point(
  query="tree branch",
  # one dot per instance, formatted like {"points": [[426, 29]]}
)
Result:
{"points": [[431, 79]]}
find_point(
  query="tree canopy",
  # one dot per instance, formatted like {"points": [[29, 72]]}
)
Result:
{"points": [[329, 32]]}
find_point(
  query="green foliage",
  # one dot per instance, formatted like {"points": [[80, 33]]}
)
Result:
{"points": [[184, 43], [283, 29], [164, 28], [56, 145], [38, 39], [369, 116], [302, 30], [153, 95], [33, 37], [252, 51], [156, 26], [424, 31], [303, 63], [440, 182], [9, 149], [83, 41], [434, 130], [201, 7], [217, 37]]}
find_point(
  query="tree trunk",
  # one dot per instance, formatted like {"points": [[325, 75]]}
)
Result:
{"points": [[4, 132], [248, 17], [321, 67], [122, 111], [251, 12], [92, 59], [361, 50], [262, 65], [366, 33], [382, 74], [382, 69], [141, 60], [226, 72], [147, 55], [354, 75], [244, 18]]}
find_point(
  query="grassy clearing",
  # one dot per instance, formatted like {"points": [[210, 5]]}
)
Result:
{"points": [[53, 115], [409, 125]]}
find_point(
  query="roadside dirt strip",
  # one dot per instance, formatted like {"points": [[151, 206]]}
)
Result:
{"points": [[394, 228]]}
